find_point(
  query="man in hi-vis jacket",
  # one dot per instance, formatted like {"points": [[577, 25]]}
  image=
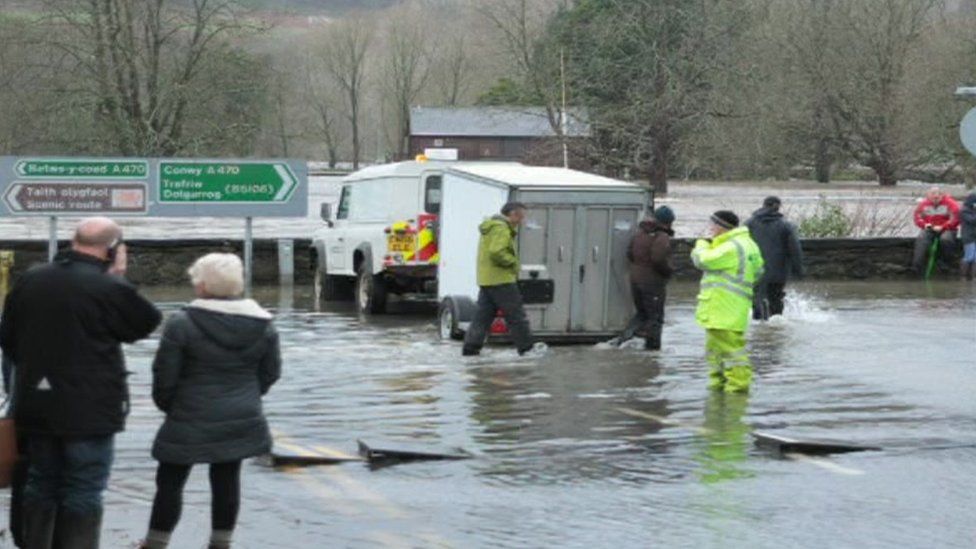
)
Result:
{"points": [[731, 264]]}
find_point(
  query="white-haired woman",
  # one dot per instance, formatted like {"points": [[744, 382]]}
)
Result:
{"points": [[216, 359]]}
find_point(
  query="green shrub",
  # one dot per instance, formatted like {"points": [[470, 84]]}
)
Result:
{"points": [[827, 221]]}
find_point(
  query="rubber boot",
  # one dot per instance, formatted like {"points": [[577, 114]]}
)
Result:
{"points": [[38, 526], [966, 270], [220, 539], [652, 341], [75, 531], [716, 379], [738, 379], [470, 351]]}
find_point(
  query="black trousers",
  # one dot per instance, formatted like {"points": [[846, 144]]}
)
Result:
{"points": [[947, 248], [768, 300], [225, 489], [508, 300], [649, 316], [17, 482]]}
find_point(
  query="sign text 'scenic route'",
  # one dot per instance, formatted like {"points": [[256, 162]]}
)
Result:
{"points": [[37, 197]]}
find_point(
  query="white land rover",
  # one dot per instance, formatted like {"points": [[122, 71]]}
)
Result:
{"points": [[382, 236]]}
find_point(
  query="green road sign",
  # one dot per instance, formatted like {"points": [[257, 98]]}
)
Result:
{"points": [[46, 168], [225, 182]]}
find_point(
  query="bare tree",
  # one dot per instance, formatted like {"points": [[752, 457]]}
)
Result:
{"points": [[522, 28], [454, 68], [144, 61], [870, 44], [347, 48], [321, 96], [407, 69], [281, 98]]}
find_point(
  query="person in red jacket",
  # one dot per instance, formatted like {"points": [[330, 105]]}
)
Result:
{"points": [[937, 215]]}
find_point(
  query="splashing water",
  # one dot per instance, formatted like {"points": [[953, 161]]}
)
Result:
{"points": [[804, 307], [634, 343]]}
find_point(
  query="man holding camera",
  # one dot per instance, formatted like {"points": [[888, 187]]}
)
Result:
{"points": [[63, 325]]}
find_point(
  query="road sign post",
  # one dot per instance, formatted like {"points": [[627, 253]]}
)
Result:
{"points": [[52, 238], [248, 255]]}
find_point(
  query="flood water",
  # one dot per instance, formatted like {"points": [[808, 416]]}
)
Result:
{"points": [[593, 447]]}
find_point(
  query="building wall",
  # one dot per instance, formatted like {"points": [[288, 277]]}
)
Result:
{"points": [[476, 148]]}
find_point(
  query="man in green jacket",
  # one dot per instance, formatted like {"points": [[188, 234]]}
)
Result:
{"points": [[732, 263], [498, 270]]}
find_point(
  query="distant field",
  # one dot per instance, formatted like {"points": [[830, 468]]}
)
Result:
{"points": [[319, 6], [302, 6]]}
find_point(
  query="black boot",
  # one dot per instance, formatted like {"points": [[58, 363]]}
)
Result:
{"points": [[652, 339], [38, 526], [76, 531], [470, 351]]}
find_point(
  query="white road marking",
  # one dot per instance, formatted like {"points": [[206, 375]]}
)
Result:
{"points": [[823, 464]]}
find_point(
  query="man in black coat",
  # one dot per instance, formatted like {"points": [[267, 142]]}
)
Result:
{"points": [[62, 327], [782, 254]]}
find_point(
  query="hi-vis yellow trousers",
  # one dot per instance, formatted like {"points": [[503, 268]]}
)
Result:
{"points": [[728, 361]]}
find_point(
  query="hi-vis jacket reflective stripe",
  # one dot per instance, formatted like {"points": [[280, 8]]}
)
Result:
{"points": [[731, 263]]}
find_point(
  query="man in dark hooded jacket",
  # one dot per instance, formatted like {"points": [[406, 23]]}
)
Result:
{"points": [[967, 213], [782, 254], [650, 269]]}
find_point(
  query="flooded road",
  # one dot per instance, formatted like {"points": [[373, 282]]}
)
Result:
{"points": [[592, 447]]}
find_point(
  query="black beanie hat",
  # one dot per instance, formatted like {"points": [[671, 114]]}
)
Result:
{"points": [[772, 202], [726, 219]]}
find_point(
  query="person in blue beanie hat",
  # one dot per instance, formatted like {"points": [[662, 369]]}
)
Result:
{"points": [[649, 254]]}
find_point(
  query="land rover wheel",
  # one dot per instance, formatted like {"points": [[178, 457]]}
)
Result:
{"points": [[370, 292]]}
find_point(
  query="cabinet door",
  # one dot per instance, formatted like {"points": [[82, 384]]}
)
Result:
{"points": [[560, 227], [620, 304], [593, 268]]}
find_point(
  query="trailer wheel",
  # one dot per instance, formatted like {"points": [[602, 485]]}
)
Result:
{"points": [[370, 291], [448, 322]]}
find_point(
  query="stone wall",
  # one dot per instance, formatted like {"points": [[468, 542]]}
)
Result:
{"points": [[164, 262], [834, 258]]}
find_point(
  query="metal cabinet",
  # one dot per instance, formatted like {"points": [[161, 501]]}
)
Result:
{"points": [[582, 248]]}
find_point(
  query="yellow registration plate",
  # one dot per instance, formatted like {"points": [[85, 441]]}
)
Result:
{"points": [[400, 243]]}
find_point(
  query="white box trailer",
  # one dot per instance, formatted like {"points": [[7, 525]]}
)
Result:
{"points": [[572, 247]]}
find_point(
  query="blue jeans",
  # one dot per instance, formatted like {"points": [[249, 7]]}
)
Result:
{"points": [[69, 474], [969, 252]]}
